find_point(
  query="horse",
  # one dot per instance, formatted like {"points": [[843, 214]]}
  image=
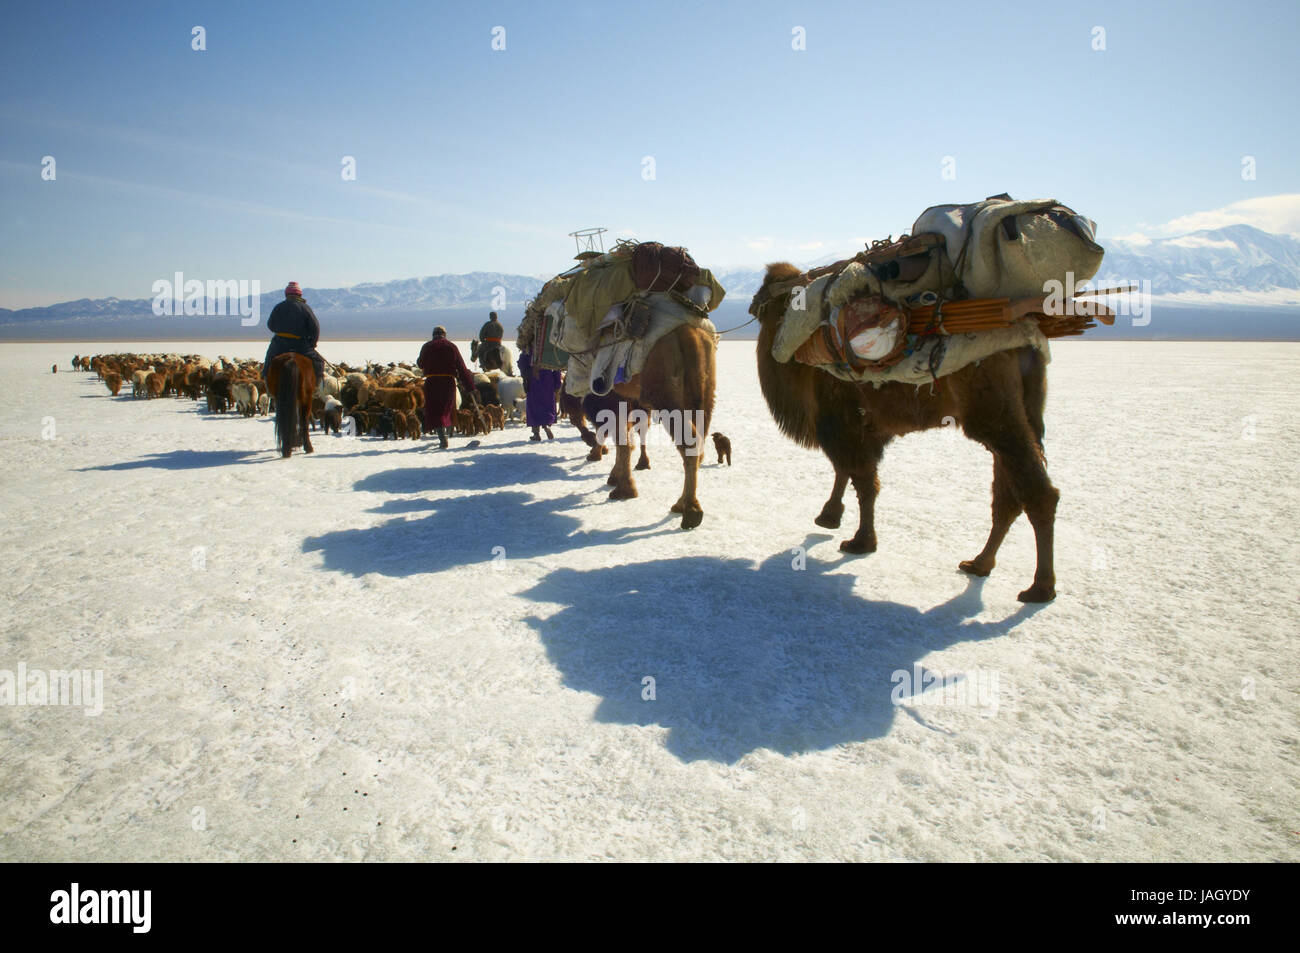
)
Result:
{"points": [[678, 383], [997, 402], [292, 379], [492, 356]]}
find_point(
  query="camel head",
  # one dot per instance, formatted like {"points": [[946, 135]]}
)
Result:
{"points": [[771, 290]]}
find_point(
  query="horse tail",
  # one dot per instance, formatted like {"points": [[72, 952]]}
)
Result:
{"points": [[286, 407]]}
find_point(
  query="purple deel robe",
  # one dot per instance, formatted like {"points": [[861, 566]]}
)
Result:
{"points": [[539, 408]]}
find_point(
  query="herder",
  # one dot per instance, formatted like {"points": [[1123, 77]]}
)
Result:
{"points": [[444, 368], [296, 329]]}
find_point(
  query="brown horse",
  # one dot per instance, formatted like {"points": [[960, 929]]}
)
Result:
{"points": [[292, 379], [997, 402], [677, 381]]}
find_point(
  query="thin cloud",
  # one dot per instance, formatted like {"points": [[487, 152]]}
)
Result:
{"points": [[1279, 214]]}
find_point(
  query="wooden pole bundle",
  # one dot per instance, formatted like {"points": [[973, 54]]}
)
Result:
{"points": [[989, 314]]}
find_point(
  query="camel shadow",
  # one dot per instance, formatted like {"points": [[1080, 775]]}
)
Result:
{"points": [[453, 534], [188, 460], [479, 470], [745, 658]]}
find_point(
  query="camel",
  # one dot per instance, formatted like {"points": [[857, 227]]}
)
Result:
{"points": [[997, 403], [679, 378]]}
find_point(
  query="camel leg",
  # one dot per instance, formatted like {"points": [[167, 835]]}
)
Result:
{"points": [[866, 484], [1040, 499], [643, 462], [621, 476], [1020, 454], [688, 503], [833, 510], [1006, 507]]}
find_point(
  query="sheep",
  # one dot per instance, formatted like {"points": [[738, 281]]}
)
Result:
{"points": [[328, 386], [245, 395], [511, 392], [263, 404], [113, 381], [154, 384], [137, 383]]}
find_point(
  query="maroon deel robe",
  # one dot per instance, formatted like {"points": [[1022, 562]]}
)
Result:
{"points": [[441, 359]]}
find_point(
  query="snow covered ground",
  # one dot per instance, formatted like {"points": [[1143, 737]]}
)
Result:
{"points": [[387, 652]]}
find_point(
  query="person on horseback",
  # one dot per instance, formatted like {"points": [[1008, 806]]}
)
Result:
{"points": [[489, 348], [295, 328], [444, 368]]}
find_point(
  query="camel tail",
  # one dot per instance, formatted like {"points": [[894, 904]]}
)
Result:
{"points": [[1033, 380]]}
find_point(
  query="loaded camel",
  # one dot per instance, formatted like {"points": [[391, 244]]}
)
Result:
{"points": [[998, 403]]}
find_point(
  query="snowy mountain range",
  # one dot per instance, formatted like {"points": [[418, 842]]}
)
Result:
{"points": [[1237, 265], [1234, 266]]}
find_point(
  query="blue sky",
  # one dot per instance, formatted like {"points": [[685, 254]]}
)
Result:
{"points": [[226, 163]]}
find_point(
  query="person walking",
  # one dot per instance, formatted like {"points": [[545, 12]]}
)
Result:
{"points": [[541, 385], [444, 368]]}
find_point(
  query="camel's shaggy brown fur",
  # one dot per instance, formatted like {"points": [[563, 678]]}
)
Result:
{"points": [[998, 403], [680, 374]]}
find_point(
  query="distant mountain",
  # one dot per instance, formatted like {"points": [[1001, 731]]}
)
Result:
{"points": [[438, 292], [1236, 266]]}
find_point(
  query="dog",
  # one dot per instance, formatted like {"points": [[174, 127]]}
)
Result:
{"points": [[723, 446]]}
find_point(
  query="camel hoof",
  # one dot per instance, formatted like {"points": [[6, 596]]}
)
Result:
{"points": [[692, 518], [1038, 593], [830, 516], [622, 493], [858, 546], [643, 464], [594, 456], [975, 567]]}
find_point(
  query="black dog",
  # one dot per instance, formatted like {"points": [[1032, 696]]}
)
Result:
{"points": [[723, 446]]}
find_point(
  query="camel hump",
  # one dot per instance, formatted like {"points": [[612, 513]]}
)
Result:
{"points": [[781, 271]]}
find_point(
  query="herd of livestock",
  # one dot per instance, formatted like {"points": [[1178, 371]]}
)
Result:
{"points": [[386, 400]]}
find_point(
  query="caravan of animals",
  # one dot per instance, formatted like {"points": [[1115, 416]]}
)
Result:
{"points": [[947, 325]]}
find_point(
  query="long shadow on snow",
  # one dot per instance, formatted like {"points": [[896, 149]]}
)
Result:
{"points": [[465, 530], [476, 470], [744, 658], [187, 460]]}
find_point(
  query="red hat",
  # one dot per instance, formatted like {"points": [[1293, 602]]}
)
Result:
{"points": [[293, 288]]}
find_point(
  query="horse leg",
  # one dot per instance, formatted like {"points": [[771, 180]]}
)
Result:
{"points": [[1006, 507], [833, 511], [306, 438]]}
